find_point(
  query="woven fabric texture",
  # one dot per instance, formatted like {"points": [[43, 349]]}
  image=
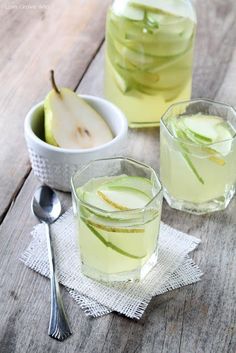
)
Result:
{"points": [[173, 270]]}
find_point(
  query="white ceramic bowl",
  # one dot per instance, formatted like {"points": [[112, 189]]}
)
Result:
{"points": [[54, 166]]}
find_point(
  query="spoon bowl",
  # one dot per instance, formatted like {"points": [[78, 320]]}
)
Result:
{"points": [[46, 205]]}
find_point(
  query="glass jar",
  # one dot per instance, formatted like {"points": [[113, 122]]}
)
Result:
{"points": [[149, 54]]}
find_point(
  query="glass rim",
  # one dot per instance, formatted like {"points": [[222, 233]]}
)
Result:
{"points": [[87, 204], [197, 100]]}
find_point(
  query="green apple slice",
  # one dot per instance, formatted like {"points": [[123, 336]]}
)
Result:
{"points": [[160, 18], [195, 137], [124, 66], [159, 45], [114, 204], [176, 129], [214, 157], [124, 199], [134, 57], [115, 229], [101, 201], [224, 139], [191, 136], [178, 8], [122, 83], [210, 130], [111, 245], [118, 220], [122, 8], [170, 94], [139, 184], [115, 195], [147, 79], [116, 200], [185, 153], [203, 126], [93, 199], [170, 25]]}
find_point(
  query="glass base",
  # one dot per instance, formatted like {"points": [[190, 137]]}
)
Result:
{"points": [[214, 205], [131, 276], [145, 124]]}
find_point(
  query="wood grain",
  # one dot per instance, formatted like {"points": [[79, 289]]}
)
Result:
{"points": [[196, 319], [64, 36], [215, 51]]}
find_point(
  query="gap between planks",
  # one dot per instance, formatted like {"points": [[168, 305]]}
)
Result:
{"points": [[27, 173]]}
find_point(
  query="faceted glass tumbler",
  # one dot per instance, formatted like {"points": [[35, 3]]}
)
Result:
{"points": [[119, 244], [195, 177]]}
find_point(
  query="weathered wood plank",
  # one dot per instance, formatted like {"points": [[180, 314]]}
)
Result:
{"points": [[25, 296], [215, 51], [24, 301], [201, 316], [63, 36], [195, 319]]}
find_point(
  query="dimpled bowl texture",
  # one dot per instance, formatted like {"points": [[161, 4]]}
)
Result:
{"points": [[53, 165]]}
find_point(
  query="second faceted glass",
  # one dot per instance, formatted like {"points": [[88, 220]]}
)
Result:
{"points": [[198, 155], [117, 205], [149, 52]]}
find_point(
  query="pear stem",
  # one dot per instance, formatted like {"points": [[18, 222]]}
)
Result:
{"points": [[53, 82]]}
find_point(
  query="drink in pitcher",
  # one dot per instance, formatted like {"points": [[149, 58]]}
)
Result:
{"points": [[149, 53]]}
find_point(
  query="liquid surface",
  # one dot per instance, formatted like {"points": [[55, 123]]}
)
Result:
{"points": [[198, 156], [122, 239], [148, 58]]}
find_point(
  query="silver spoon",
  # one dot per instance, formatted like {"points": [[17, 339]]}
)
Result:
{"points": [[47, 208]]}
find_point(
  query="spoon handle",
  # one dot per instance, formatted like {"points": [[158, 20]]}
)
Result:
{"points": [[58, 325]]}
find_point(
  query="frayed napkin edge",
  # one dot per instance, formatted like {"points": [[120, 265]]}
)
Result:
{"points": [[78, 297]]}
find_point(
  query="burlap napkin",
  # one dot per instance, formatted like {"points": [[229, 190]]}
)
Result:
{"points": [[173, 270]]}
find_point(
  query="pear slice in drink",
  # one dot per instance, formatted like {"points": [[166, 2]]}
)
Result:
{"points": [[212, 130], [92, 198], [225, 135], [110, 245], [112, 229], [123, 199], [201, 125], [139, 184], [112, 209], [119, 194], [95, 205]]}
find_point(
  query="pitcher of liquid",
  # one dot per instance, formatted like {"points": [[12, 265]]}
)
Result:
{"points": [[149, 55]]}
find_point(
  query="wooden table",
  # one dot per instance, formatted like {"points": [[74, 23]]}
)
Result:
{"points": [[68, 36]]}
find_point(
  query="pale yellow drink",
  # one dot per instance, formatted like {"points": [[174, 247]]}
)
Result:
{"points": [[149, 53], [198, 162], [122, 239]]}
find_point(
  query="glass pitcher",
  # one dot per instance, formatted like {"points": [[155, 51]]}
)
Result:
{"points": [[149, 54]]}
